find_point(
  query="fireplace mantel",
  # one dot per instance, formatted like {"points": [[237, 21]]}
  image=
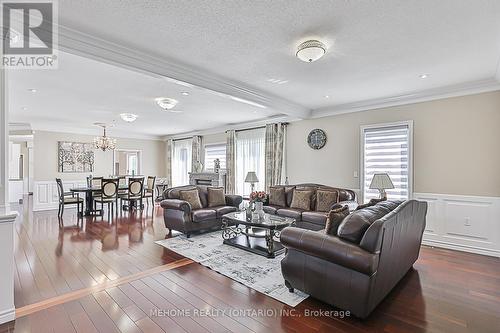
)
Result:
{"points": [[208, 178]]}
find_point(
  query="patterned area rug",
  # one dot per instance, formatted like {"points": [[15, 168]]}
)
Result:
{"points": [[252, 270]]}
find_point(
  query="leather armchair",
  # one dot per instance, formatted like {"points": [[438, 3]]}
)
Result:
{"points": [[355, 276], [179, 215]]}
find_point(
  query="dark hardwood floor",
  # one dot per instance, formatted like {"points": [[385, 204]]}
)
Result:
{"points": [[105, 276]]}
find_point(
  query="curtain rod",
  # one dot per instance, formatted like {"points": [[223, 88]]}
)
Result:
{"points": [[257, 127]]}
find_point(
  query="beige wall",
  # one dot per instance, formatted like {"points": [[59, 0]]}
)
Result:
{"points": [[45, 156], [456, 146]]}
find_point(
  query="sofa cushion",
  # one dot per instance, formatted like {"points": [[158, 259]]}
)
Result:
{"points": [[318, 218], [216, 196], [325, 199], [354, 226], [290, 212], [271, 209], [370, 203], [277, 196], [201, 215], [221, 210], [191, 196], [301, 199], [335, 218]]}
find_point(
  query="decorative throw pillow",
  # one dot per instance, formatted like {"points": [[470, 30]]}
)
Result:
{"points": [[192, 197], [301, 199], [325, 199], [335, 218], [277, 196], [370, 203], [216, 197]]}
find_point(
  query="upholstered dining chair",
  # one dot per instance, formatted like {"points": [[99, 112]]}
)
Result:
{"points": [[67, 198], [135, 192], [149, 190], [109, 194]]}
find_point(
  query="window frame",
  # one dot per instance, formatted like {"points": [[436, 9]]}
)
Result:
{"points": [[408, 123], [222, 143]]}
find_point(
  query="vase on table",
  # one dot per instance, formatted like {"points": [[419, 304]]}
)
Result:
{"points": [[259, 209]]}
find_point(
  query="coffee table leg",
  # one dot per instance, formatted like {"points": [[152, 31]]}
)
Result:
{"points": [[270, 241]]}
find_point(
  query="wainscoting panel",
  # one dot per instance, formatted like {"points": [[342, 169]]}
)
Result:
{"points": [[465, 223], [45, 196]]}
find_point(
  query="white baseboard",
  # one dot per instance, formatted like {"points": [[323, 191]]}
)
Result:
{"points": [[463, 223], [7, 315]]}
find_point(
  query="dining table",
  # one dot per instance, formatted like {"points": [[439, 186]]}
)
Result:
{"points": [[89, 198]]}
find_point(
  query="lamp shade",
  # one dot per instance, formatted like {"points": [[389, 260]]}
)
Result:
{"points": [[381, 181], [251, 177]]}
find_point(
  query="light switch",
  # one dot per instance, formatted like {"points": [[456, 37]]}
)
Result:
{"points": [[355, 174]]}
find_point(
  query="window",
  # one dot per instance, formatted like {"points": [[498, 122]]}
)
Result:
{"points": [[127, 162], [132, 164], [213, 151], [250, 156], [387, 149], [181, 162]]}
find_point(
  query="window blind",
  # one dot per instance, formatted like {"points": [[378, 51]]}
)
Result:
{"points": [[212, 152], [386, 150]]}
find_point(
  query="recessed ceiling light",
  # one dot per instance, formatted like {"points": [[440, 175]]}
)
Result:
{"points": [[327, 96], [32, 90], [185, 93], [166, 103], [424, 76], [128, 117], [24, 108], [311, 50]]}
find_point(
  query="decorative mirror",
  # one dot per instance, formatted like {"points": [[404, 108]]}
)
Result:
{"points": [[316, 139]]}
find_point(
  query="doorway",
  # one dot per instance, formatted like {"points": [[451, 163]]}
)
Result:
{"points": [[127, 162]]}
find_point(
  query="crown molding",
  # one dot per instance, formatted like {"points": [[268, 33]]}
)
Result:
{"points": [[82, 44], [118, 134], [222, 129], [463, 89]]}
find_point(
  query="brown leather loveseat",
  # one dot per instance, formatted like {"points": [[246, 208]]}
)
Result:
{"points": [[362, 258], [179, 214], [310, 218]]}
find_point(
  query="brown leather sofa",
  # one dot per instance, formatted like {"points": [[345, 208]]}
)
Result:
{"points": [[310, 219], [357, 266], [178, 214]]}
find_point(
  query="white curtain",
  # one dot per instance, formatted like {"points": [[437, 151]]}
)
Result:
{"points": [[168, 161], [181, 162], [250, 156]]}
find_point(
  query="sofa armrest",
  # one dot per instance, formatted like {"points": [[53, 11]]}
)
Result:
{"points": [[349, 203], [330, 248], [177, 205], [233, 200]]}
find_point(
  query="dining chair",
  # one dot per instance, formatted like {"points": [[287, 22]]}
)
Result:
{"points": [[134, 192], [67, 198], [109, 194], [150, 190], [95, 182]]}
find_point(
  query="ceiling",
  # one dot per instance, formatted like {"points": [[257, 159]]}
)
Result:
{"points": [[377, 51]]}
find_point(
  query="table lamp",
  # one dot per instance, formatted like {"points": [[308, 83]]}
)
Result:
{"points": [[381, 182], [252, 179]]}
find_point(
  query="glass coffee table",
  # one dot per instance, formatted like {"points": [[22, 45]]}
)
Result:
{"points": [[257, 236]]}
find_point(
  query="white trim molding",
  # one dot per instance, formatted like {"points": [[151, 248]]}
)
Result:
{"points": [[462, 222], [45, 195], [463, 89], [7, 308]]}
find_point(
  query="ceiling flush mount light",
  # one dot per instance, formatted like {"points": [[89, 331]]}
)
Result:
{"points": [[166, 103], [32, 90], [128, 117], [311, 50], [423, 76], [104, 142]]}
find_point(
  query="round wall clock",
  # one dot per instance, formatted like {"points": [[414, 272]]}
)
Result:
{"points": [[316, 139]]}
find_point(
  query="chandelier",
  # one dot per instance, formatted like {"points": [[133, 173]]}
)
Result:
{"points": [[104, 142]]}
